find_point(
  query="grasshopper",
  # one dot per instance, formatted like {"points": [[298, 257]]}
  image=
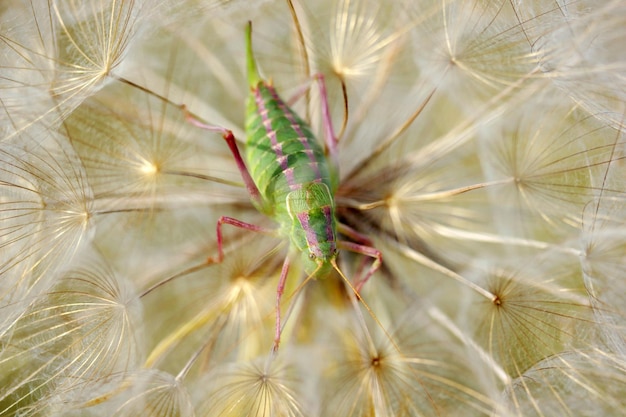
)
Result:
{"points": [[291, 179]]}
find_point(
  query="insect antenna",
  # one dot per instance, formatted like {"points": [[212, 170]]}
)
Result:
{"points": [[298, 27], [356, 298], [346, 113]]}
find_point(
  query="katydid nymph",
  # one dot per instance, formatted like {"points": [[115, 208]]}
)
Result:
{"points": [[291, 179]]}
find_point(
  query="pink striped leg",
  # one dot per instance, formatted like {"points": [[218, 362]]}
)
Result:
{"points": [[366, 251], [236, 223], [329, 131], [228, 136], [363, 247], [283, 274]]}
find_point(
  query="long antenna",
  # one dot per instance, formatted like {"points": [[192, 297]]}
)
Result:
{"points": [[358, 298]]}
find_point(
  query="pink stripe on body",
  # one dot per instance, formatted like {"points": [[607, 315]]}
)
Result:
{"points": [[276, 145]]}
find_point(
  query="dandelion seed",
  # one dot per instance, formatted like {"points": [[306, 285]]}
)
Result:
{"points": [[577, 46], [63, 56], [472, 47], [374, 383], [602, 260], [252, 390], [422, 375], [223, 307], [576, 383], [358, 41], [45, 204], [550, 165], [72, 339], [539, 310], [147, 393]]}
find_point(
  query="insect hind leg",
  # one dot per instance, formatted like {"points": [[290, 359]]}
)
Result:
{"points": [[231, 141], [329, 131]]}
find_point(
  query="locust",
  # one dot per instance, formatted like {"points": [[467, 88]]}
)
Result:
{"points": [[291, 179]]}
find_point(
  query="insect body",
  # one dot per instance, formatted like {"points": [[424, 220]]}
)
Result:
{"points": [[291, 180], [291, 173]]}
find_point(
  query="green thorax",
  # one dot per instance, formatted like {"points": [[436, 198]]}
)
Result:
{"points": [[281, 152]]}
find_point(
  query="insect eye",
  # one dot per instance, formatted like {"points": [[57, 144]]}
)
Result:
{"points": [[312, 256]]}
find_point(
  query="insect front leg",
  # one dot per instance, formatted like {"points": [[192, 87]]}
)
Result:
{"points": [[280, 289], [231, 141], [366, 251], [363, 240], [237, 223]]}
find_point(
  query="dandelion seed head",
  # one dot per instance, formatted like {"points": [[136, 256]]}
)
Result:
{"points": [[150, 393], [471, 46], [357, 41], [480, 149], [527, 301], [569, 383], [374, 377], [253, 389], [355, 53], [81, 332], [575, 48]]}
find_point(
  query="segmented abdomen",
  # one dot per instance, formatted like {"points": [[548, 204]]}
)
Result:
{"points": [[281, 153]]}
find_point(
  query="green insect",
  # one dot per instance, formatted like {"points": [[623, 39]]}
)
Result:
{"points": [[291, 180]]}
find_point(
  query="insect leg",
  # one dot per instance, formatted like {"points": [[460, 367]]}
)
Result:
{"points": [[329, 132], [236, 223], [300, 92], [279, 293], [367, 251], [280, 289], [228, 136], [356, 236]]}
